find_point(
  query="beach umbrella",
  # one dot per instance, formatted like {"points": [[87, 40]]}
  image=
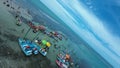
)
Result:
{"points": [[44, 42], [48, 44]]}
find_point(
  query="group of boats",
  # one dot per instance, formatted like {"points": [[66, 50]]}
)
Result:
{"points": [[29, 47], [36, 46], [63, 60]]}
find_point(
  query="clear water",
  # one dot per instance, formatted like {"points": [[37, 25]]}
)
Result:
{"points": [[92, 26]]}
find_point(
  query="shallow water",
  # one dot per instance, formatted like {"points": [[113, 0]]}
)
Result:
{"points": [[81, 53]]}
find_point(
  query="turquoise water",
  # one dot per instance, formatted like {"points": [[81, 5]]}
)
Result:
{"points": [[84, 55], [81, 52]]}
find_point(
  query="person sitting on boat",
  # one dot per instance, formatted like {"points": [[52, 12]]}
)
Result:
{"points": [[46, 48], [35, 50], [59, 37], [39, 41], [55, 33], [27, 47], [35, 30], [43, 51]]}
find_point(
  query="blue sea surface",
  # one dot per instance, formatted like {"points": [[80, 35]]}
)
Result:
{"points": [[92, 24], [107, 11]]}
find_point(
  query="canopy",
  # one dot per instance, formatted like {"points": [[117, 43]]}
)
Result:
{"points": [[41, 27], [44, 42], [48, 44], [67, 56], [34, 25]]}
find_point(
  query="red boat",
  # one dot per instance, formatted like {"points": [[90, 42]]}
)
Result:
{"points": [[36, 28], [63, 60]]}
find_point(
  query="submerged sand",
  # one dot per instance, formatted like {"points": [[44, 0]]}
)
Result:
{"points": [[11, 55]]}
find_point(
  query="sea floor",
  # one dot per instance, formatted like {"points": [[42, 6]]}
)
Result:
{"points": [[11, 55]]}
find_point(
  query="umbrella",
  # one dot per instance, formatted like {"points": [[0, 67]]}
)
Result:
{"points": [[44, 42], [48, 44]]}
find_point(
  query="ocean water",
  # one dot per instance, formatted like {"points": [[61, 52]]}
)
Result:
{"points": [[92, 26], [82, 53]]}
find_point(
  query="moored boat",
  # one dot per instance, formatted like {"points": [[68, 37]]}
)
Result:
{"points": [[28, 47]]}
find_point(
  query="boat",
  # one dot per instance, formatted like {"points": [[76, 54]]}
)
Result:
{"points": [[25, 47], [61, 61], [28, 47], [37, 27], [43, 51], [60, 64], [40, 49]]}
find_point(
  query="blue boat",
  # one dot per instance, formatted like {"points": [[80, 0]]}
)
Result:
{"points": [[43, 52], [25, 47], [28, 47]]}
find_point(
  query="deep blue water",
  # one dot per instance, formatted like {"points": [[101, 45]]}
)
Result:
{"points": [[107, 11]]}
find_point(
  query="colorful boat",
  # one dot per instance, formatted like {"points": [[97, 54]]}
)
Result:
{"points": [[25, 47], [61, 61], [43, 52], [28, 47], [40, 48]]}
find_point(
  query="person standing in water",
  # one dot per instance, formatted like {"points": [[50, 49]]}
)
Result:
{"points": [[22, 31]]}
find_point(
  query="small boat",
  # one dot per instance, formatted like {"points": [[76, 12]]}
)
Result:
{"points": [[43, 52], [25, 47], [61, 61], [28, 47], [36, 27]]}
